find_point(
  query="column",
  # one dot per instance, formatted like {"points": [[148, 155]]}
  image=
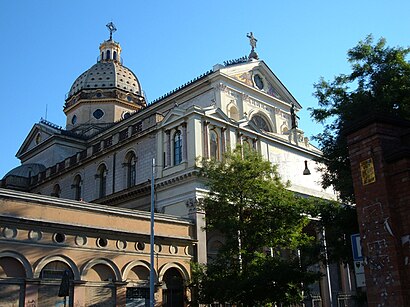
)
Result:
{"points": [[206, 141], [223, 141], [184, 142], [168, 148]]}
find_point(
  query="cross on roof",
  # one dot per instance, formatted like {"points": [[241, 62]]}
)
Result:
{"points": [[111, 27]]}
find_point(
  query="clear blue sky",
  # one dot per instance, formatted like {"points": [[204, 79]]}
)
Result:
{"points": [[46, 45]]}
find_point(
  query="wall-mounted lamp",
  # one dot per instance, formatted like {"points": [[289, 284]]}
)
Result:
{"points": [[306, 171]]}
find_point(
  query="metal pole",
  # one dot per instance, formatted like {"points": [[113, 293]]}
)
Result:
{"points": [[151, 273]]}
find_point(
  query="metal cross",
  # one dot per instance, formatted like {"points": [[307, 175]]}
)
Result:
{"points": [[111, 27]]}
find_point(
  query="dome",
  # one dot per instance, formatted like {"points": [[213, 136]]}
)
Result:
{"points": [[26, 170], [106, 75]]}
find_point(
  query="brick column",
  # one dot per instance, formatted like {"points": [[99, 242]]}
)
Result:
{"points": [[380, 163]]}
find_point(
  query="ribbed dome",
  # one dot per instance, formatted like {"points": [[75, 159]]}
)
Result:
{"points": [[106, 74], [26, 170]]}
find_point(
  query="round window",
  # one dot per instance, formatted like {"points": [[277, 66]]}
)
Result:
{"points": [[102, 242], [98, 113], [59, 237], [126, 115], [140, 246]]}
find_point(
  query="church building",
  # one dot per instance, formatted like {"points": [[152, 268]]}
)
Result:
{"points": [[80, 197]]}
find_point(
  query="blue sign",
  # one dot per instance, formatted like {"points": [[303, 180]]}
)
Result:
{"points": [[356, 247]]}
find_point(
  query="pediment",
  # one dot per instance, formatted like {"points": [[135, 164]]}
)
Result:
{"points": [[216, 113], [174, 114], [38, 134], [260, 77]]}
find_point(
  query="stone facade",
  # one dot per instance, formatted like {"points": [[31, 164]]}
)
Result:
{"points": [[104, 156]]}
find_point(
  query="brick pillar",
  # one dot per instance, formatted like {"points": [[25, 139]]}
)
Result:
{"points": [[380, 163]]}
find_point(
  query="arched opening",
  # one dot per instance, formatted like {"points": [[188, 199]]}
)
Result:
{"points": [[173, 288], [102, 180], [233, 113], [77, 186], [51, 276], [103, 294], [100, 272], [11, 268], [138, 292], [261, 122], [56, 191], [108, 55], [177, 148], [214, 145], [115, 55], [131, 169]]}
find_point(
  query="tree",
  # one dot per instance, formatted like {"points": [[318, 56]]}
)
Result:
{"points": [[261, 221], [378, 83]]}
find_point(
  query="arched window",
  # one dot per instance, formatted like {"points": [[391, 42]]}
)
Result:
{"points": [[56, 191], [233, 113], [102, 55], [102, 180], [131, 165], [115, 55], [108, 55], [77, 185], [247, 144], [177, 148], [173, 288], [260, 122], [213, 145]]}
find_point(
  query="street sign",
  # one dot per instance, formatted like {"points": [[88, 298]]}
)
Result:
{"points": [[356, 247], [358, 260]]}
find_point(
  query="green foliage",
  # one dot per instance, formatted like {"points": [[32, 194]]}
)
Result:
{"points": [[339, 222], [378, 83], [251, 207]]}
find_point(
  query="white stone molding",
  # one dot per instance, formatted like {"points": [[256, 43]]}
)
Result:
{"points": [[62, 258]]}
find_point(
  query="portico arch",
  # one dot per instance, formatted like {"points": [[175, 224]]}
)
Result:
{"points": [[101, 263], [25, 265], [46, 260]]}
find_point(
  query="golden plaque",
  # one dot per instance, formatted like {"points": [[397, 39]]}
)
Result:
{"points": [[367, 171]]}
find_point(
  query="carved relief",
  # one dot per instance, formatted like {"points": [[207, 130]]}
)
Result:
{"points": [[194, 204], [222, 87]]}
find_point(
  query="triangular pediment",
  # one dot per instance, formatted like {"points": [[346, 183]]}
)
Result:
{"points": [[216, 113], [174, 114], [38, 134], [259, 76]]}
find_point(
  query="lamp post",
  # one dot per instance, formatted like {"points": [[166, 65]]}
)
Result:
{"points": [[151, 273]]}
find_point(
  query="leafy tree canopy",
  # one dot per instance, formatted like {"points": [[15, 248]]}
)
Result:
{"points": [[378, 83], [251, 208]]}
